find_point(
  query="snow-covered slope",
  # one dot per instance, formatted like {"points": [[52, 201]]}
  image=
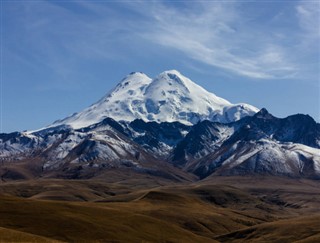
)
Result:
{"points": [[167, 98]]}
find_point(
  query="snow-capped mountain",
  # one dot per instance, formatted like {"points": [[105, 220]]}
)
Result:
{"points": [[169, 97], [167, 127]]}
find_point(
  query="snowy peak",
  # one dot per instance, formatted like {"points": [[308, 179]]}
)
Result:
{"points": [[173, 97], [128, 85], [174, 79], [175, 83], [170, 81], [169, 97]]}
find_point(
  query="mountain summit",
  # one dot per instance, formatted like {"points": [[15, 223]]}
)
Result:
{"points": [[167, 98]]}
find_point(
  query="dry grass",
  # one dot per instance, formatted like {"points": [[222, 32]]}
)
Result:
{"points": [[300, 229], [9, 235], [79, 222], [148, 210]]}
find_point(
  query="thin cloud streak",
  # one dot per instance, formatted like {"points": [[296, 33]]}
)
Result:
{"points": [[309, 18], [211, 35]]}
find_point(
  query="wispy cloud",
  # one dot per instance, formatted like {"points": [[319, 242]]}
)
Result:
{"points": [[51, 36], [218, 34], [308, 13], [215, 35]]}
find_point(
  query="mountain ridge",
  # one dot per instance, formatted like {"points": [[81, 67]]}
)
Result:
{"points": [[252, 145], [166, 127]]}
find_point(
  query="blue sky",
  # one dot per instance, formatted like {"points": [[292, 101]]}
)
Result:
{"points": [[59, 57]]}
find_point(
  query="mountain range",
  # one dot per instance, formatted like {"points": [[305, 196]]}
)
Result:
{"points": [[167, 127]]}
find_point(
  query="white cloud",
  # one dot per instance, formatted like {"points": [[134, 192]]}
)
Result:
{"points": [[213, 34], [216, 33]]}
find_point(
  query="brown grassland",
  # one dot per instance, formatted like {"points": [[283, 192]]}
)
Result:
{"points": [[149, 209]]}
